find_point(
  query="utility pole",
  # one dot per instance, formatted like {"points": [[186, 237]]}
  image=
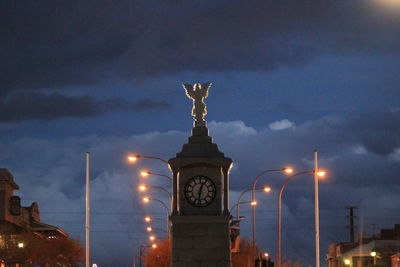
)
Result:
{"points": [[351, 225], [316, 209], [87, 225], [373, 229]]}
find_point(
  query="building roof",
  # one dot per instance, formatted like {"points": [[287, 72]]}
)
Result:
{"points": [[365, 249], [47, 228]]}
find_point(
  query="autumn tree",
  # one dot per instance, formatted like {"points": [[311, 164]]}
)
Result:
{"points": [[246, 255], [29, 247]]}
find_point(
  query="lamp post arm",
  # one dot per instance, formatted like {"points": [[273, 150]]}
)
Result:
{"points": [[163, 189], [238, 201], [258, 178], [159, 229], [162, 175], [167, 212], [237, 206], [148, 157]]}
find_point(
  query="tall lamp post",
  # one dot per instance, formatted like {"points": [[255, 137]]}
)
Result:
{"points": [[318, 173], [253, 195], [147, 199]]}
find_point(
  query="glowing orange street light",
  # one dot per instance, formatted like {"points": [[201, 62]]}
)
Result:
{"points": [[147, 219], [145, 173], [253, 203], [149, 229], [266, 189], [146, 199], [321, 173], [142, 187], [154, 245], [132, 158], [266, 255], [288, 170], [152, 237], [20, 244]]}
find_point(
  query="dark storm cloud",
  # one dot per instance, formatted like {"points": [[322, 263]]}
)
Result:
{"points": [[57, 43], [379, 131], [35, 106]]}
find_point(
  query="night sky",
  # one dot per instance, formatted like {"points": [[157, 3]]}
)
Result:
{"points": [[288, 77]]}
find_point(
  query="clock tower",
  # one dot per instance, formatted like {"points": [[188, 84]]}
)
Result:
{"points": [[200, 217]]}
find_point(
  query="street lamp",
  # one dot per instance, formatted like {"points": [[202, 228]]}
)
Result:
{"points": [[133, 158], [144, 187], [373, 254], [266, 189], [319, 173], [150, 219], [148, 199], [145, 174], [152, 229], [253, 195], [20, 244]]}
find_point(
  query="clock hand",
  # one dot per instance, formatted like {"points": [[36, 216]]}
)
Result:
{"points": [[201, 188]]}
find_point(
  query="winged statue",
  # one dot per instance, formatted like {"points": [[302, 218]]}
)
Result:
{"points": [[198, 92]]}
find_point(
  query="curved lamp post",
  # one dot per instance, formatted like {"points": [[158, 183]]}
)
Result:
{"points": [[238, 203], [144, 187], [253, 195], [318, 173], [147, 199]]}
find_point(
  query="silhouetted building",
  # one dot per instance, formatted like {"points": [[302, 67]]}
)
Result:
{"points": [[379, 250], [16, 219]]}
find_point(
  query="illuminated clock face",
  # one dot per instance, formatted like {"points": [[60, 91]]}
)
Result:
{"points": [[200, 191]]}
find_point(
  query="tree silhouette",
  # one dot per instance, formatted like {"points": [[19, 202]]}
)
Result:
{"points": [[29, 247]]}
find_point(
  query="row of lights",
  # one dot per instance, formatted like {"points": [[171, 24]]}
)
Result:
{"points": [[253, 202], [147, 199]]}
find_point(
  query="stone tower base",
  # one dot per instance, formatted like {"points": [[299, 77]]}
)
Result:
{"points": [[201, 241]]}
